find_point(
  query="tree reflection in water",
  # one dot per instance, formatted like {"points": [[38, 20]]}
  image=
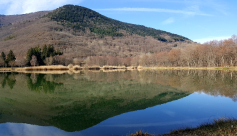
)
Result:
{"points": [[79, 101], [9, 79], [39, 83]]}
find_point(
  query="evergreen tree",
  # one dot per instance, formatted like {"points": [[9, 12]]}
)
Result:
{"points": [[44, 53], [51, 51], [37, 52], [3, 56], [10, 56], [48, 51]]}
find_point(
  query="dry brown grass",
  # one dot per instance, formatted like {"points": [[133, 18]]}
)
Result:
{"points": [[221, 127], [139, 133], [56, 72], [77, 67], [6, 69], [131, 68], [46, 68], [115, 70], [112, 67]]}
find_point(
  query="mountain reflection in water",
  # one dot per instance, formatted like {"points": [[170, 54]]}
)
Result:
{"points": [[79, 101]]}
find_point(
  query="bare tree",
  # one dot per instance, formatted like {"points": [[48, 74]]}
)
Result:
{"points": [[2, 62], [127, 61], [34, 61], [21, 62], [48, 60], [12, 63]]}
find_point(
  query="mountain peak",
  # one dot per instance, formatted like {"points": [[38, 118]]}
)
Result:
{"points": [[80, 32], [80, 18]]}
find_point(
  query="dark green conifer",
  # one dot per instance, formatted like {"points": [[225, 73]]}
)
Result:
{"points": [[10, 56], [3, 56]]}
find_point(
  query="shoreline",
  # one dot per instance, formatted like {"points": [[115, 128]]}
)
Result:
{"points": [[219, 127], [65, 68], [60, 69]]}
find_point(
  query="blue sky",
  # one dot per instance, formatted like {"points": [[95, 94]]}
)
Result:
{"points": [[199, 20]]}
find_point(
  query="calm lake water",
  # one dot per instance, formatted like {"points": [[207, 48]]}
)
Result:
{"points": [[113, 103]]}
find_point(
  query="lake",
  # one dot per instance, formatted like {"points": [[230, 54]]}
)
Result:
{"points": [[97, 103]]}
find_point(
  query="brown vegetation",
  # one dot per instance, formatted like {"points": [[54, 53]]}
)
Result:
{"points": [[75, 44], [211, 54], [221, 127]]}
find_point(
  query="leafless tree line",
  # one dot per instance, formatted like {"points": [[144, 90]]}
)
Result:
{"points": [[210, 54]]}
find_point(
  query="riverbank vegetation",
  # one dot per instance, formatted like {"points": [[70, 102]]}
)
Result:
{"points": [[220, 127]]}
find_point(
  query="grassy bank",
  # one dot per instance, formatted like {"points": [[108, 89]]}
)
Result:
{"points": [[64, 69], [71, 68], [220, 127]]}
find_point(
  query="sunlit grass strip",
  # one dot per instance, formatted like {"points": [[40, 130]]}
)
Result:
{"points": [[220, 127], [53, 67], [77, 67]]}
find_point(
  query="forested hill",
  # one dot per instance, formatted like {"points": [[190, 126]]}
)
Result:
{"points": [[80, 32], [81, 18]]}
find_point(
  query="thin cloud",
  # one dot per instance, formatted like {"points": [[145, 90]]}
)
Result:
{"points": [[203, 40], [154, 124], [168, 21], [28, 6], [157, 10], [219, 6], [21, 129], [169, 1]]}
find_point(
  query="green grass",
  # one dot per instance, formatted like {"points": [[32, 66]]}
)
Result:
{"points": [[225, 68], [9, 37]]}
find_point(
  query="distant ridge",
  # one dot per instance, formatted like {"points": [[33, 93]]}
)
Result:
{"points": [[9, 19]]}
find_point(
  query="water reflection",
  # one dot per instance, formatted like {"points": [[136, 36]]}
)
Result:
{"points": [[210, 82], [37, 82], [79, 101], [9, 79]]}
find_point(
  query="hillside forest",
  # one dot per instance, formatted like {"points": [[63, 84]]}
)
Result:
{"points": [[210, 54]]}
